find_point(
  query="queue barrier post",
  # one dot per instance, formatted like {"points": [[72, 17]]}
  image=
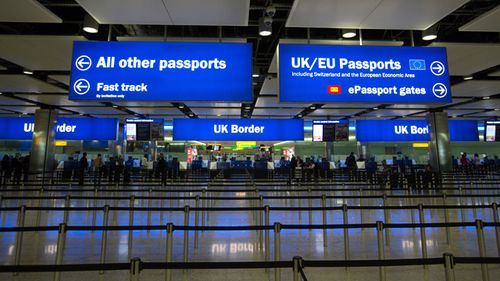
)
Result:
{"points": [[323, 205], [423, 239], [130, 224], [261, 221], [309, 204], [196, 218], [297, 264], [150, 194], [482, 249], [345, 221], [94, 204], [186, 234], [449, 264], [61, 242], [381, 251], [448, 233], [21, 217], [67, 204], [169, 250], [494, 207], [277, 230], [203, 205], [39, 204], [104, 235], [135, 269], [267, 249], [387, 219]]}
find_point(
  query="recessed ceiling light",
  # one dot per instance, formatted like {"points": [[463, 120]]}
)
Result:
{"points": [[219, 115], [247, 107], [497, 109], [255, 75], [486, 98], [312, 107], [24, 113], [81, 114], [348, 33], [265, 26], [429, 34], [90, 25], [115, 106], [191, 114], [181, 106], [468, 78], [375, 108], [27, 72], [300, 115]]}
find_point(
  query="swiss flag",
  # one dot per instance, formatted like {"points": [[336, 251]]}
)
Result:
{"points": [[334, 89]]}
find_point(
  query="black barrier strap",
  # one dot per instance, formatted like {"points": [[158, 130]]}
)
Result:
{"points": [[371, 263], [476, 260], [217, 265], [64, 267]]}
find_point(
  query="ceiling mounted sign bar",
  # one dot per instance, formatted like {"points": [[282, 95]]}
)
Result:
{"points": [[161, 71], [326, 73]]}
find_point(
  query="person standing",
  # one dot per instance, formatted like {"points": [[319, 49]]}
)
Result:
{"points": [[293, 166], [350, 162], [97, 169], [82, 165], [129, 165], [17, 165], [162, 169]]}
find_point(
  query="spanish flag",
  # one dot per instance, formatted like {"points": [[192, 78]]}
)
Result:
{"points": [[335, 89]]}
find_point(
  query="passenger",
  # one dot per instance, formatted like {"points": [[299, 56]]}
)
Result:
{"points": [[6, 168], [144, 166], [26, 167], [112, 168], [162, 169], [293, 166], [350, 162], [97, 163], [17, 166], [119, 168], [83, 165], [371, 169], [129, 165]]}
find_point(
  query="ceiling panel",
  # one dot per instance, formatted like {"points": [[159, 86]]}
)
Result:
{"points": [[38, 52], [23, 109], [169, 12], [452, 112], [495, 74], [57, 100], [273, 67], [388, 112], [370, 14], [61, 78], [290, 112], [26, 11], [216, 111], [413, 106], [488, 113], [208, 12], [334, 112], [12, 101], [179, 39], [95, 110], [468, 58], [353, 105], [127, 11], [26, 84], [482, 104], [155, 110], [487, 22], [475, 88], [409, 14], [264, 101], [212, 104]]}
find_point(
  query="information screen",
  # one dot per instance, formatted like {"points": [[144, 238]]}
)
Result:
{"points": [[492, 131], [330, 130], [144, 129]]}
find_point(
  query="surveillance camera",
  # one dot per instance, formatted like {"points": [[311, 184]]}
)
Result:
{"points": [[268, 21], [270, 11]]}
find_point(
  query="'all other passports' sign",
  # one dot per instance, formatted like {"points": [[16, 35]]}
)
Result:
{"points": [[161, 71], [326, 73]]}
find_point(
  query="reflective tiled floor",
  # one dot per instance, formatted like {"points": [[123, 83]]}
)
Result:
{"points": [[85, 247]]}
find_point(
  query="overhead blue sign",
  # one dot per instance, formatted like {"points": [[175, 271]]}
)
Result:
{"points": [[66, 128], [239, 129], [326, 73], [166, 71], [412, 130]]}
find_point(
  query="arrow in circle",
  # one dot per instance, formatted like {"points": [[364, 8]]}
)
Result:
{"points": [[438, 68], [83, 63], [79, 86], [439, 90]]}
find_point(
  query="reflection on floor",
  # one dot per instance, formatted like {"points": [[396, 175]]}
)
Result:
{"points": [[85, 246]]}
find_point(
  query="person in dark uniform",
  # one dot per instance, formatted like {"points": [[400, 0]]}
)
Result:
{"points": [[162, 169], [83, 165], [293, 166], [129, 164], [111, 168], [350, 162], [119, 168], [17, 165]]}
